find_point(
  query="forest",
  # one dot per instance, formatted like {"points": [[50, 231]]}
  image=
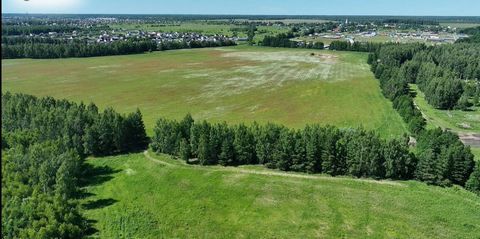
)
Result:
{"points": [[44, 144]]}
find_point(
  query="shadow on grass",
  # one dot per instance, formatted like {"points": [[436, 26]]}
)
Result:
{"points": [[90, 229], [92, 176], [96, 175], [100, 203]]}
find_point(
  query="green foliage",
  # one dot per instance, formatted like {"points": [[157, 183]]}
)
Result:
{"points": [[45, 142], [473, 184], [443, 159]]}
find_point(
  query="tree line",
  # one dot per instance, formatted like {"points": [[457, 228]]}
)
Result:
{"points": [[356, 46], [443, 159], [283, 40], [44, 144], [61, 49], [75, 49]]}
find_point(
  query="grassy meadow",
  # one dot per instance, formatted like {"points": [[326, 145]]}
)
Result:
{"points": [[135, 197], [235, 84]]}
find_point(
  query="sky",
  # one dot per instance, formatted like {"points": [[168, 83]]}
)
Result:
{"points": [[249, 7]]}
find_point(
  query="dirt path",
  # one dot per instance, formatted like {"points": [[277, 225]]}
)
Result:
{"points": [[472, 139], [267, 172]]}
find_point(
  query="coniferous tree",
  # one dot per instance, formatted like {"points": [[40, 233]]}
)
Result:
{"points": [[473, 184]]}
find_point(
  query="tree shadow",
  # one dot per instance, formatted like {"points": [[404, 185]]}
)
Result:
{"points": [[90, 231], [100, 203], [92, 176]]}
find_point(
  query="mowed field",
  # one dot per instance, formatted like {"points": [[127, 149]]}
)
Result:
{"points": [[235, 84], [135, 197]]}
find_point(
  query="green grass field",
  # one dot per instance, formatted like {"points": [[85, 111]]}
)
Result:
{"points": [[145, 199], [236, 84]]}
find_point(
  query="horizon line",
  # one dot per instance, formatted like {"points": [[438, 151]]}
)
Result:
{"points": [[240, 14]]}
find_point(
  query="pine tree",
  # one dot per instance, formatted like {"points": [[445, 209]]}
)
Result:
{"points": [[135, 130], [473, 184], [244, 145], [185, 151], [203, 150], [299, 152]]}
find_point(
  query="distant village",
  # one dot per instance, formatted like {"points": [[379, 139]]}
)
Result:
{"points": [[159, 37], [345, 30]]}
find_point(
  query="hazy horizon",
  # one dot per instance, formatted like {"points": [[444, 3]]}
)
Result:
{"points": [[248, 7]]}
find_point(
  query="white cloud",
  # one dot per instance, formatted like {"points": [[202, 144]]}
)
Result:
{"points": [[45, 6]]}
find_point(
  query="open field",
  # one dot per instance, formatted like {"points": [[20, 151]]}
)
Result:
{"points": [[236, 84], [136, 197]]}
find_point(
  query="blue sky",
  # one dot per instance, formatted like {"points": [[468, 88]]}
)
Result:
{"points": [[267, 7]]}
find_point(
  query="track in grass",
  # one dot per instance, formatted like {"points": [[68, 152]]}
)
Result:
{"points": [[236, 84]]}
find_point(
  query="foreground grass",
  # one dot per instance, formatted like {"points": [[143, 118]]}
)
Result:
{"points": [[236, 84], [145, 199]]}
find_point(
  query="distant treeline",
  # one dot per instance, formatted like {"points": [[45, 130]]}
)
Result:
{"points": [[44, 144], [21, 48], [35, 29], [356, 46], [409, 21], [75, 49], [441, 159], [190, 17], [283, 40], [471, 30]]}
